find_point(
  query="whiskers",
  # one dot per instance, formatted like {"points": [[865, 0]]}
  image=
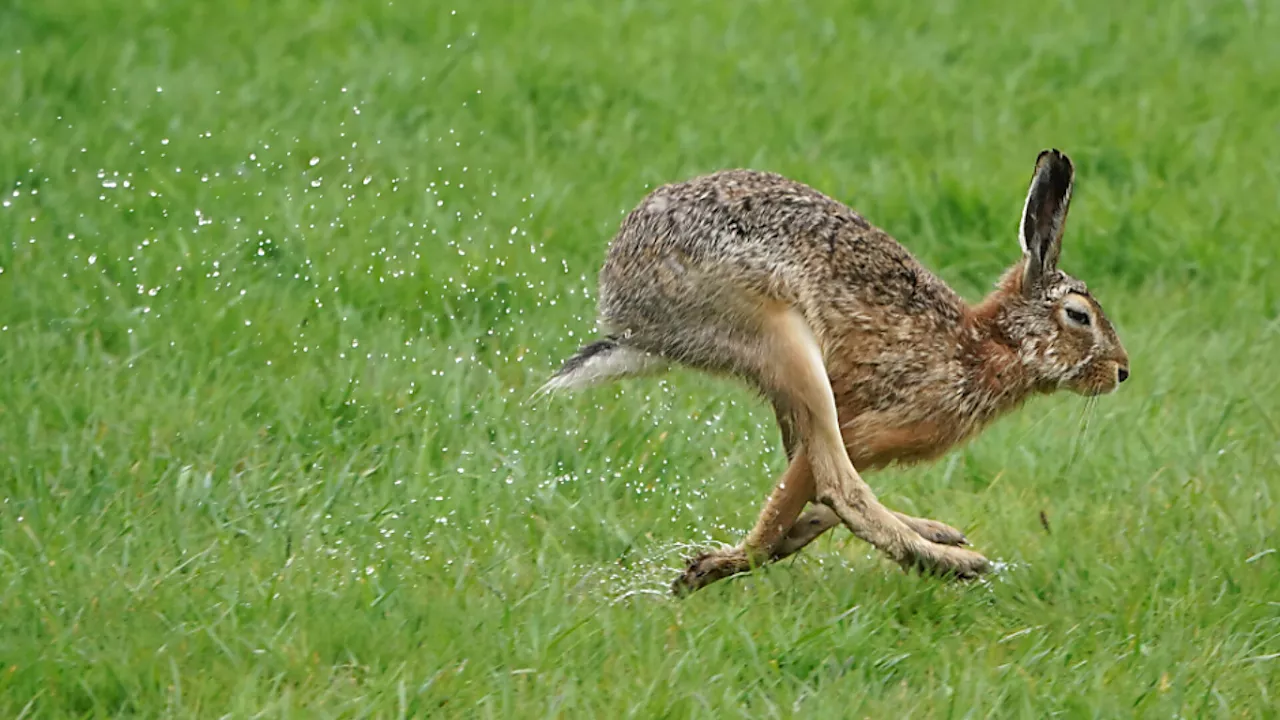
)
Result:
{"points": [[1078, 442]]}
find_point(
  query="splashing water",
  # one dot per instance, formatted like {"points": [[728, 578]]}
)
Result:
{"points": [[649, 575]]}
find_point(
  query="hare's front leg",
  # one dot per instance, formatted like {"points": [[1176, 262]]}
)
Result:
{"points": [[793, 491], [779, 533]]}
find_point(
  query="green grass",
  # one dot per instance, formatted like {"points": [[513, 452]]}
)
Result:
{"points": [[277, 279]]}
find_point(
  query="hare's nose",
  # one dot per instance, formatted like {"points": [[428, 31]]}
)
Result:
{"points": [[1122, 373]]}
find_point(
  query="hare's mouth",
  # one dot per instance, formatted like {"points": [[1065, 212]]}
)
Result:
{"points": [[1101, 388], [1094, 387], [1098, 381]]}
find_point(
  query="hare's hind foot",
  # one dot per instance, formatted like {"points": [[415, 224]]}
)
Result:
{"points": [[940, 554], [932, 530], [818, 519], [946, 561]]}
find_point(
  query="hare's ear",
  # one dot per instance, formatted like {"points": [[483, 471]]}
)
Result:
{"points": [[1044, 216]]}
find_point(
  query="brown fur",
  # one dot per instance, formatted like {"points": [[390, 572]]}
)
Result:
{"points": [[868, 358]]}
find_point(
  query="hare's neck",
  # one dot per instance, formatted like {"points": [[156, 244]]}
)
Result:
{"points": [[942, 411], [996, 381]]}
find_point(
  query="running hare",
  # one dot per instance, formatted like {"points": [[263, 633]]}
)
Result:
{"points": [[867, 357]]}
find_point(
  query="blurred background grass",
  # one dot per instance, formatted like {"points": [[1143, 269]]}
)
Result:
{"points": [[276, 279]]}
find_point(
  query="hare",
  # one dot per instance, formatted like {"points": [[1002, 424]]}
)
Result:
{"points": [[867, 357]]}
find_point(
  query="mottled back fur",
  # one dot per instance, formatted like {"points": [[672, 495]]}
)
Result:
{"points": [[913, 367]]}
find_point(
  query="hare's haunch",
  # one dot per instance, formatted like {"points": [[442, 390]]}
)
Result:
{"points": [[867, 357]]}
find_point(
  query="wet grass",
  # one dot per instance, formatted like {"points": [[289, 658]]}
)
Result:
{"points": [[276, 280]]}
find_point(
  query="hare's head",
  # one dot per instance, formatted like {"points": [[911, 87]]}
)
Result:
{"points": [[1063, 337]]}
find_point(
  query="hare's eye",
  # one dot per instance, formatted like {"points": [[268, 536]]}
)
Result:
{"points": [[1078, 317]]}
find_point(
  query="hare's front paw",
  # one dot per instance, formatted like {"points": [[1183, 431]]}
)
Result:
{"points": [[947, 561], [709, 567]]}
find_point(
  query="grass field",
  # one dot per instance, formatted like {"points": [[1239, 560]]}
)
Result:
{"points": [[276, 280]]}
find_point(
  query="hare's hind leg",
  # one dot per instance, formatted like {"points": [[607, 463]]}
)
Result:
{"points": [[819, 518], [784, 360], [793, 369]]}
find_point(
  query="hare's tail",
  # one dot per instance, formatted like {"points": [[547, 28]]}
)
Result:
{"points": [[600, 362]]}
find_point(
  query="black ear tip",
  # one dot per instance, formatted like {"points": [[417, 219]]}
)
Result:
{"points": [[1055, 166], [1055, 156]]}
